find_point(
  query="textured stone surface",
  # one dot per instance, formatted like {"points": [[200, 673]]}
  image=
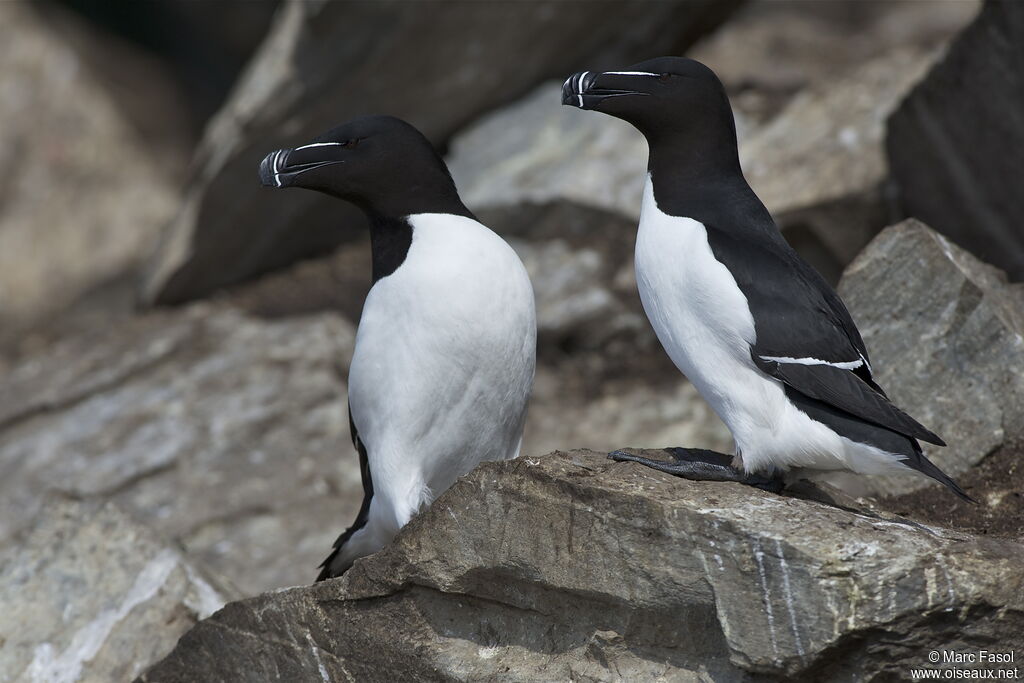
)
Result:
{"points": [[80, 201], [571, 567], [536, 151], [658, 409], [769, 51], [92, 596], [436, 65], [580, 261], [225, 432], [945, 336], [956, 144]]}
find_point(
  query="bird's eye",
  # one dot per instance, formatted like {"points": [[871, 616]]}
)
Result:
{"points": [[664, 77], [349, 144]]}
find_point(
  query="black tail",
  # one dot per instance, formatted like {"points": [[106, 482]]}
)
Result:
{"points": [[884, 438], [925, 466], [326, 572]]}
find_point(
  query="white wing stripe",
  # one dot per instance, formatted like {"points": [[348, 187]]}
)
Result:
{"points": [[842, 365]]}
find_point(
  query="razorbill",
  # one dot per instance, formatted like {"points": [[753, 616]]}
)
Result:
{"points": [[760, 334], [445, 350]]}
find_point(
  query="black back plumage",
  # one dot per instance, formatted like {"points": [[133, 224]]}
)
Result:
{"points": [[797, 314]]}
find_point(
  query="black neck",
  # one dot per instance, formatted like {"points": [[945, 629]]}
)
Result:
{"points": [[413, 189], [416, 198], [390, 230], [691, 172], [390, 239]]}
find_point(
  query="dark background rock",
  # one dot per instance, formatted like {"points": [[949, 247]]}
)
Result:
{"points": [[82, 201], [956, 144], [202, 46], [571, 567], [770, 51], [324, 63], [811, 128]]}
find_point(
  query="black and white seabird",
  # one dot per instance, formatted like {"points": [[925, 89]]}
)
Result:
{"points": [[445, 351], [760, 334]]}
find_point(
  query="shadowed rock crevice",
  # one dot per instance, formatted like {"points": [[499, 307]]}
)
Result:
{"points": [[569, 624]]}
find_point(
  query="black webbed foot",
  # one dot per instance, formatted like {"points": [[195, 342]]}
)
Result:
{"points": [[700, 464]]}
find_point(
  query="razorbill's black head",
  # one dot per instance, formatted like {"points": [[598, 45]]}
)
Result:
{"points": [[380, 163], [667, 95]]}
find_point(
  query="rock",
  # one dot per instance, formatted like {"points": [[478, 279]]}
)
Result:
{"points": [[203, 45], [945, 336], [81, 202], [438, 66], [148, 96], [654, 406], [769, 51], [91, 595], [222, 431], [570, 567], [956, 144], [533, 151], [536, 151], [580, 261], [819, 165]]}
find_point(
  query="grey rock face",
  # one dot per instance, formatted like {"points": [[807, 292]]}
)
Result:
{"points": [[80, 201], [662, 410], [223, 431], [437, 66], [580, 261], [945, 336], [92, 596], [768, 51], [537, 151], [571, 567], [956, 144]]}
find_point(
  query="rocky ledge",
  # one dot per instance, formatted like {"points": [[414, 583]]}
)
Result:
{"points": [[572, 567]]}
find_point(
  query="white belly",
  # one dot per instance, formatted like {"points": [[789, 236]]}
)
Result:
{"points": [[702, 318], [443, 365]]}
